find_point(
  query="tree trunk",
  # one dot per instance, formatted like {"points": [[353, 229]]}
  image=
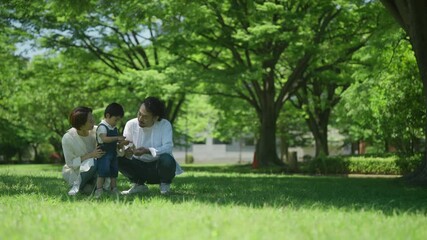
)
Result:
{"points": [[173, 107], [37, 158], [418, 36], [321, 141], [362, 147], [20, 157], [354, 148], [284, 148], [293, 161], [321, 146], [319, 128], [266, 152], [57, 145]]}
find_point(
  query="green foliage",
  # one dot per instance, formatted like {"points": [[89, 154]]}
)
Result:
{"points": [[41, 107], [10, 144], [247, 55], [261, 51], [328, 165], [375, 166], [292, 128], [386, 104], [189, 159], [198, 120], [12, 138], [122, 36], [393, 164], [408, 164], [235, 120]]}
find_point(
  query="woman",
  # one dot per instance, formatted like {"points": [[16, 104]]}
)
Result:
{"points": [[80, 151]]}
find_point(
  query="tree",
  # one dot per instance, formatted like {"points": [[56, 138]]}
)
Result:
{"points": [[410, 14], [317, 99], [11, 66], [122, 35], [385, 106], [258, 51], [49, 88], [329, 76]]}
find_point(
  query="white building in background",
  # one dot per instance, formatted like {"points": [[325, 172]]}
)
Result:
{"points": [[242, 150], [211, 152]]}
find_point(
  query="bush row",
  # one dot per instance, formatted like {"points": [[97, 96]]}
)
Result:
{"points": [[394, 164]]}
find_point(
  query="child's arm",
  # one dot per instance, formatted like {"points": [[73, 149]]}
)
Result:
{"points": [[106, 139]]}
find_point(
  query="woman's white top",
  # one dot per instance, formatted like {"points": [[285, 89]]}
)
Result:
{"points": [[75, 146]]}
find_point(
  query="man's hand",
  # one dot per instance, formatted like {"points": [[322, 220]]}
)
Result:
{"points": [[141, 150]]}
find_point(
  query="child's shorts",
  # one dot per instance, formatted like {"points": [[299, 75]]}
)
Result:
{"points": [[107, 165]]}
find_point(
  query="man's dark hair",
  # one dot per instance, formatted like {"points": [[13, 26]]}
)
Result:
{"points": [[78, 117], [155, 106], [115, 110]]}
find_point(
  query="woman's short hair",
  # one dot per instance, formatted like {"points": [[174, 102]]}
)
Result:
{"points": [[78, 117], [155, 106]]}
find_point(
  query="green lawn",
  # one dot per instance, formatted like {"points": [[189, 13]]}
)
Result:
{"points": [[213, 202]]}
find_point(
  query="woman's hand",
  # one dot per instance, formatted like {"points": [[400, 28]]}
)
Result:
{"points": [[97, 153]]}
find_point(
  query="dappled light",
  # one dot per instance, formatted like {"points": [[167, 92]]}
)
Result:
{"points": [[224, 185]]}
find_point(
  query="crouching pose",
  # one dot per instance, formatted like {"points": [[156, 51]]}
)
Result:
{"points": [[150, 159], [80, 151]]}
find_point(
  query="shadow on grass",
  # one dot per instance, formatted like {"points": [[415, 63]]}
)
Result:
{"points": [[386, 195], [220, 187]]}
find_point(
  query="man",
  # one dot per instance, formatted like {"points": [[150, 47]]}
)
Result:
{"points": [[149, 160]]}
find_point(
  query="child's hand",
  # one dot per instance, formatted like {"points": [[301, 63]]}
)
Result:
{"points": [[120, 138], [131, 145], [124, 143], [128, 152]]}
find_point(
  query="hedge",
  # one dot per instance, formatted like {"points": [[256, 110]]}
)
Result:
{"points": [[393, 165]]}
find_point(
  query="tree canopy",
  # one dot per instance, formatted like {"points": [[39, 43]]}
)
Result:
{"points": [[239, 67]]}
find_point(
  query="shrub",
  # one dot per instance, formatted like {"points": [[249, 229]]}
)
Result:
{"points": [[328, 165], [373, 165], [408, 164], [390, 164], [189, 159]]}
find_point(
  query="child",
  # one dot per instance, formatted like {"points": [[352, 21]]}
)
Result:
{"points": [[107, 136]]}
